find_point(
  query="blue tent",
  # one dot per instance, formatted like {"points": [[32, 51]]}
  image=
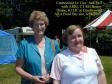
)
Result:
{"points": [[8, 48]]}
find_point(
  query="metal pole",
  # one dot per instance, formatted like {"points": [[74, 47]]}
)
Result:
{"points": [[90, 39]]}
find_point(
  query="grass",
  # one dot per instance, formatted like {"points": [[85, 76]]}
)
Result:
{"points": [[107, 64], [9, 76]]}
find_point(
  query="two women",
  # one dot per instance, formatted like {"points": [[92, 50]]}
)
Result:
{"points": [[77, 64]]}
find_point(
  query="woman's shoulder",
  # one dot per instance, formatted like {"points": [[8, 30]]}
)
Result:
{"points": [[89, 48], [50, 39], [46, 37], [64, 53]]}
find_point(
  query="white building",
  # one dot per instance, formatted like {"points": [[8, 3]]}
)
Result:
{"points": [[21, 32]]}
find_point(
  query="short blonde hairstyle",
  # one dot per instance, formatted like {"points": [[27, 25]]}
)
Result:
{"points": [[38, 15], [69, 31]]}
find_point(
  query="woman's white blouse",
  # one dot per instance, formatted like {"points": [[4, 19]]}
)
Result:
{"points": [[71, 68]]}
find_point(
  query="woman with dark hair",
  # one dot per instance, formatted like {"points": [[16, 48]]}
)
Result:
{"points": [[77, 64]]}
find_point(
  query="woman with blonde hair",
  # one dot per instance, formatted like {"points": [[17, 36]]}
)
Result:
{"points": [[35, 54]]}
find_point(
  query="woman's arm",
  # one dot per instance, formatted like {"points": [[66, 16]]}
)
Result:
{"points": [[56, 81], [101, 75], [21, 72], [24, 74], [102, 78]]}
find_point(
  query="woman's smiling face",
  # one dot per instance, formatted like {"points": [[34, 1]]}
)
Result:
{"points": [[76, 40], [39, 27]]}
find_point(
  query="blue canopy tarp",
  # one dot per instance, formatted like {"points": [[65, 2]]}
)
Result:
{"points": [[8, 48]]}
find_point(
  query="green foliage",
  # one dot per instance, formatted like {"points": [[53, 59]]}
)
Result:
{"points": [[105, 35], [5, 9], [8, 74], [107, 63], [101, 40], [108, 6]]}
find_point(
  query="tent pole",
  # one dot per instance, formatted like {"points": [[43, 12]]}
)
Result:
{"points": [[90, 39]]}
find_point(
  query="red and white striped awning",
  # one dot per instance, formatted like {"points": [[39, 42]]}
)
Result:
{"points": [[102, 22]]}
